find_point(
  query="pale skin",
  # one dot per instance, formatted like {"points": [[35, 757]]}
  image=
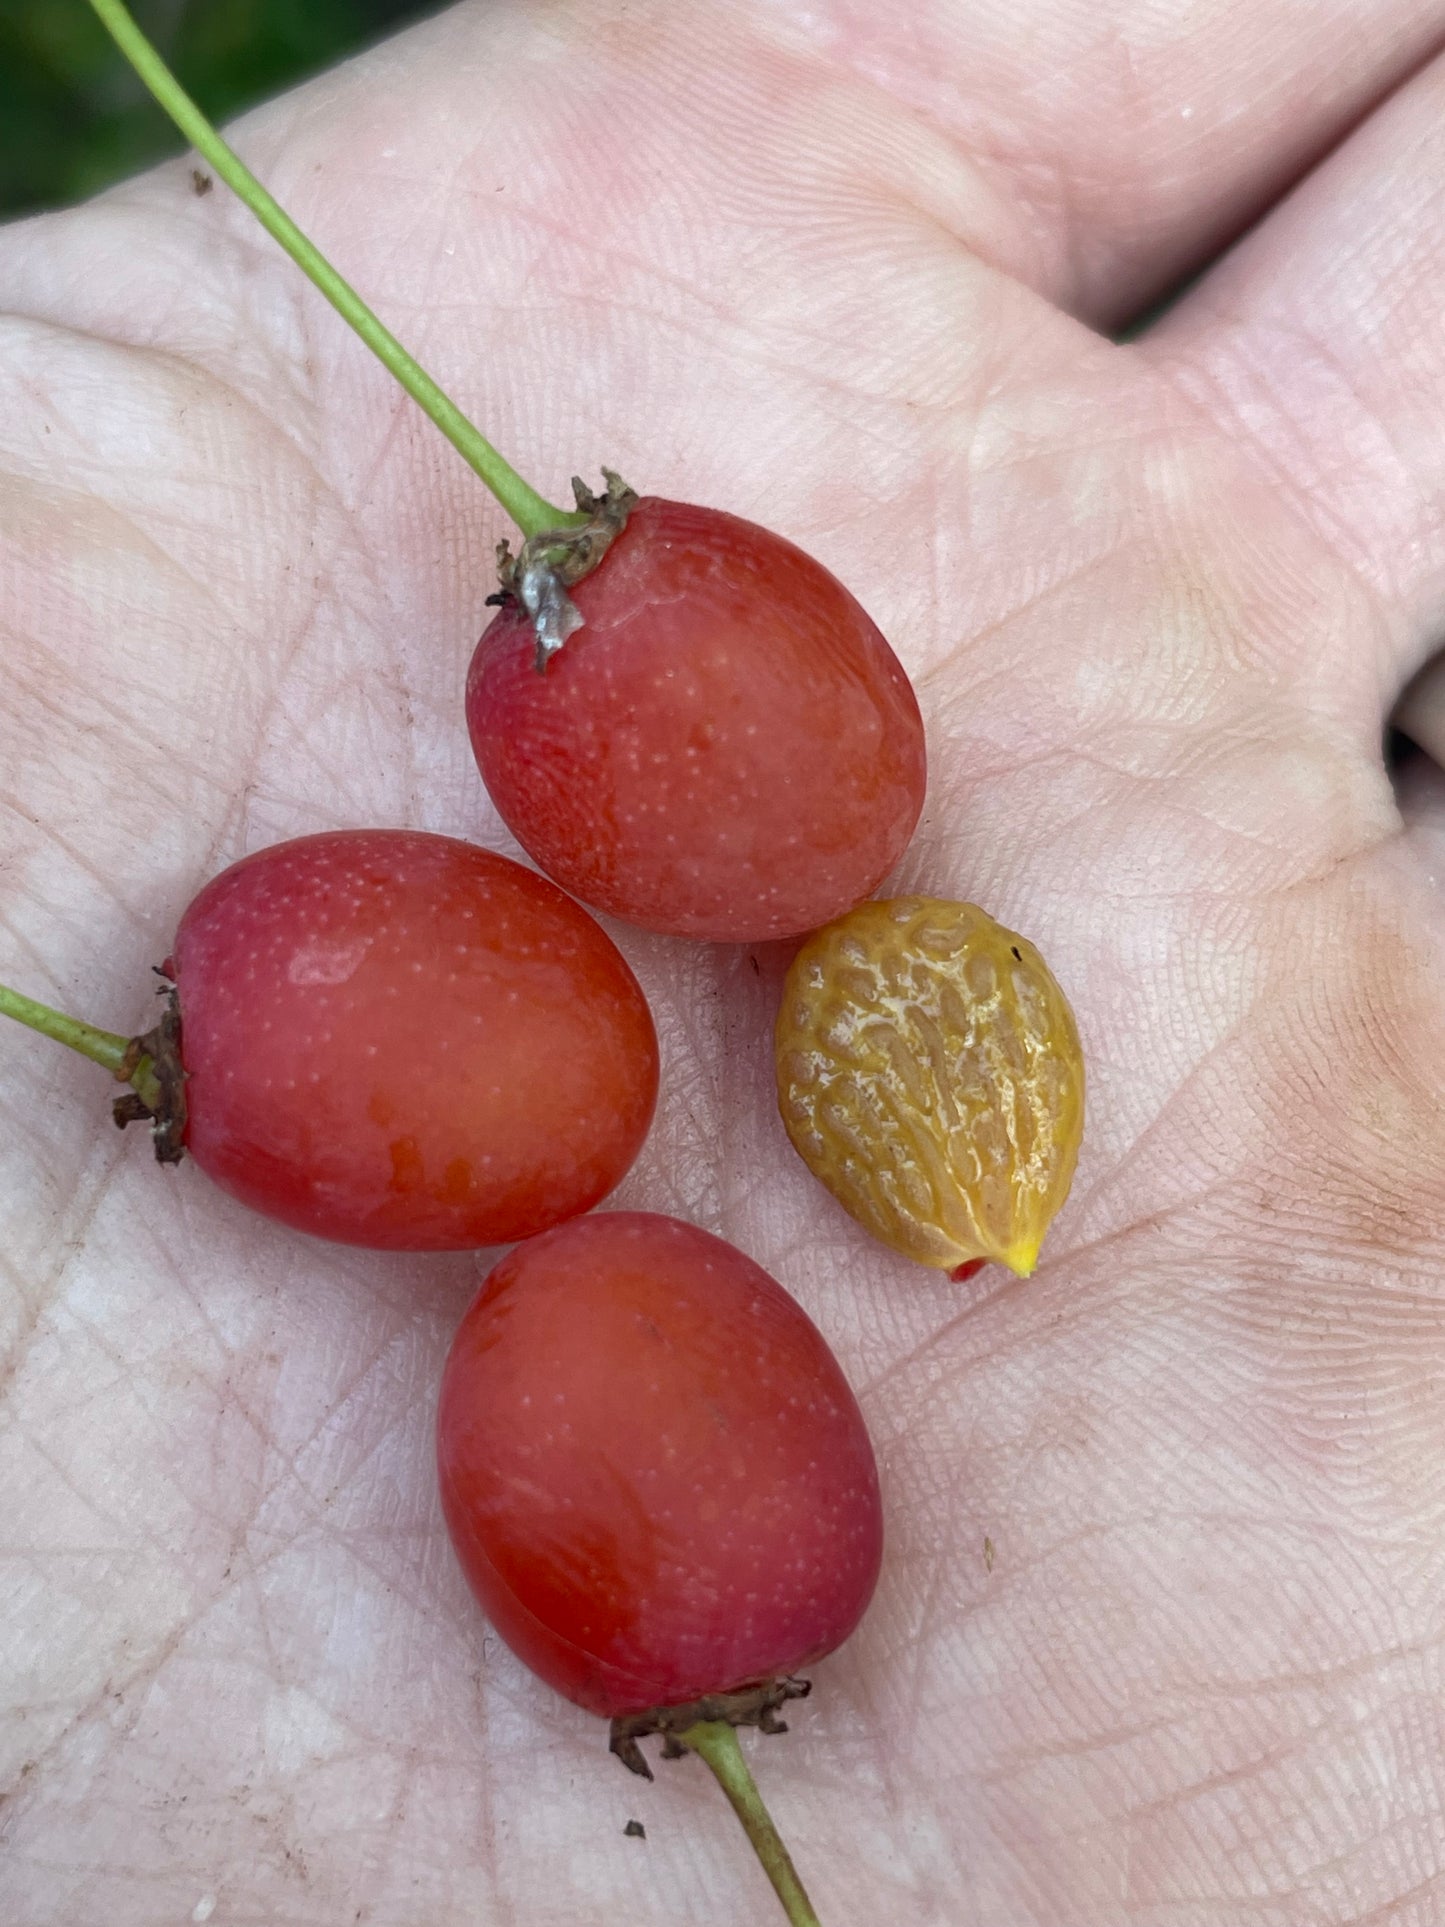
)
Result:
{"points": [[1158, 1638]]}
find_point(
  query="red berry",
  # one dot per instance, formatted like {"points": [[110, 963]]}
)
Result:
{"points": [[655, 1475], [405, 1041], [727, 748]]}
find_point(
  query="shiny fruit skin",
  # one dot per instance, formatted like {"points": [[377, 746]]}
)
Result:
{"points": [[654, 1473], [726, 749], [404, 1041], [930, 1075]]}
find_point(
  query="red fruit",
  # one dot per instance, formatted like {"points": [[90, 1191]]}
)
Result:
{"points": [[402, 1040], [727, 748], [653, 1470]]}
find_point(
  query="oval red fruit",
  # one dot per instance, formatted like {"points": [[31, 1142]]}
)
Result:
{"points": [[726, 749], [653, 1470], [405, 1041]]}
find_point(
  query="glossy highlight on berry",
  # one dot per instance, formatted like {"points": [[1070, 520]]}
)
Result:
{"points": [[929, 1073]]}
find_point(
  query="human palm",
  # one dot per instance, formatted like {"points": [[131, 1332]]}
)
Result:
{"points": [[1158, 1633]]}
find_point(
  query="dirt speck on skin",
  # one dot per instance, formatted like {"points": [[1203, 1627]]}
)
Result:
{"points": [[634, 1830], [987, 1553]]}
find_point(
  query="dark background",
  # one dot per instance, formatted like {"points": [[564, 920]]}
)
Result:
{"points": [[73, 117]]}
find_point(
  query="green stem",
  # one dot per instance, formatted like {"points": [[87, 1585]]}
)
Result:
{"points": [[717, 1742], [104, 1047], [526, 507]]}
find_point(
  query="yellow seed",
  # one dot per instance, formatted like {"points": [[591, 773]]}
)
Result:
{"points": [[929, 1073]]}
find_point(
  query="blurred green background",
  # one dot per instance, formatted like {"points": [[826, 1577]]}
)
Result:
{"points": [[73, 117]]}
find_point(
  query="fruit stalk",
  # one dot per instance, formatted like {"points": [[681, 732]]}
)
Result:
{"points": [[532, 514], [107, 1048], [716, 1742]]}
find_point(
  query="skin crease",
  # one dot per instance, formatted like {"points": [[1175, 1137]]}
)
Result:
{"points": [[840, 277]]}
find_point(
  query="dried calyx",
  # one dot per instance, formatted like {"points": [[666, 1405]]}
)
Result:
{"points": [[152, 1067], [753, 1706], [549, 564], [150, 1063]]}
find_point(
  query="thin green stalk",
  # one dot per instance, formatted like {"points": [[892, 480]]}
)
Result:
{"points": [[717, 1742], [527, 508], [104, 1047]]}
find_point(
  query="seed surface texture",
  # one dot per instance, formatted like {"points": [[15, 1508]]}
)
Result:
{"points": [[930, 1075]]}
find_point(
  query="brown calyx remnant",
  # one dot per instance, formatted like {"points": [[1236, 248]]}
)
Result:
{"points": [[548, 565], [752, 1706], [152, 1067]]}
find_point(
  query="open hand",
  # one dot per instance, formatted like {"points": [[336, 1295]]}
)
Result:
{"points": [[1158, 1639]]}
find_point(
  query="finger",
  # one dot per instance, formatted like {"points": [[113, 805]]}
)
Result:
{"points": [[1129, 141], [1420, 787], [1319, 345], [1420, 712], [1096, 153]]}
